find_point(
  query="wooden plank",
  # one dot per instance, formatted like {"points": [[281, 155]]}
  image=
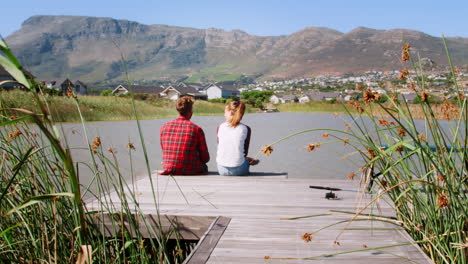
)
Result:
{"points": [[257, 207], [150, 226], [202, 252]]}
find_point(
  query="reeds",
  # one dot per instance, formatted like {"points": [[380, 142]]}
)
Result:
{"points": [[420, 166], [43, 218]]}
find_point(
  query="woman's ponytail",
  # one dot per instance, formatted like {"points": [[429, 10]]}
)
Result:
{"points": [[237, 108]]}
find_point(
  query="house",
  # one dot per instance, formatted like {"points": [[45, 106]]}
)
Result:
{"points": [[221, 91], [63, 85], [80, 88], [319, 96], [197, 86], [351, 97], [285, 98], [120, 89], [304, 99], [289, 98], [7, 82], [275, 99], [175, 92]]}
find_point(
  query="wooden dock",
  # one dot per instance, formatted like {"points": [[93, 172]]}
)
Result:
{"points": [[243, 220]]}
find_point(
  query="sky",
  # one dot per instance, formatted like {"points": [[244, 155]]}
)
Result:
{"points": [[257, 17]]}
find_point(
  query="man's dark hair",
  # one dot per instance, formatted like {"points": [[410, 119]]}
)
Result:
{"points": [[184, 105]]}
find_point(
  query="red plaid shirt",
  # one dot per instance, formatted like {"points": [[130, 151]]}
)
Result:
{"points": [[184, 148]]}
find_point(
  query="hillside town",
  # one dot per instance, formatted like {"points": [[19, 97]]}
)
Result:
{"points": [[301, 90]]}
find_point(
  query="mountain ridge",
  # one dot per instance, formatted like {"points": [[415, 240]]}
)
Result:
{"points": [[90, 49]]}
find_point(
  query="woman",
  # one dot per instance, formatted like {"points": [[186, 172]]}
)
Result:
{"points": [[233, 142]]}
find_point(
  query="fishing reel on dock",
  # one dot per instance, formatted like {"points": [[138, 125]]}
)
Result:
{"points": [[329, 195]]}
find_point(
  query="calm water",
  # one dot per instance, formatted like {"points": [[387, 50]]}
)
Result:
{"points": [[289, 157]]}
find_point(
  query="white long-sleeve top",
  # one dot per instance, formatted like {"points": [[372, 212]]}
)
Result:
{"points": [[233, 144]]}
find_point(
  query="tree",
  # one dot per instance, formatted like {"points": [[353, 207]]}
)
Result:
{"points": [[256, 98], [106, 92]]}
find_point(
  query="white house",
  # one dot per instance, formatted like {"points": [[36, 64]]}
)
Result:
{"points": [[170, 93], [304, 99], [274, 99], [221, 91], [120, 89], [285, 98], [175, 92]]}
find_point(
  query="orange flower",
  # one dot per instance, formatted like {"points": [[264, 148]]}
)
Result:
{"points": [[358, 87], [448, 110], [383, 122], [370, 153], [266, 257], [461, 96], [267, 150], [112, 150], [369, 96], [356, 106], [13, 117], [312, 147], [13, 135], [307, 237], [441, 178], [351, 175], [346, 141], [405, 52], [403, 74], [401, 131], [456, 70], [377, 96], [442, 200], [384, 184], [421, 137], [424, 96], [325, 135], [179, 252], [399, 148], [364, 245], [69, 92], [96, 143], [419, 226], [413, 86], [131, 146]]}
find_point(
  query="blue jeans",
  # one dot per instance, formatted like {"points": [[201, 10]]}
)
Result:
{"points": [[242, 170]]}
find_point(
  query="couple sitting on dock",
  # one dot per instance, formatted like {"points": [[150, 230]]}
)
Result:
{"points": [[184, 146]]}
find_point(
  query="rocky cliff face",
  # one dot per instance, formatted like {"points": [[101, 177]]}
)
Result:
{"points": [[91, 49]]}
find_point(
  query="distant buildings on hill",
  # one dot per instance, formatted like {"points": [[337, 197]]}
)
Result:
{"points": [[300, 90]]}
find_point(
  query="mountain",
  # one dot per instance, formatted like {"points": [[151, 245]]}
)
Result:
{"points": [[91, 49]]}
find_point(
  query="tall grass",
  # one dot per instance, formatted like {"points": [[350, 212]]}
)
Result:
{"points": [[420, 166], [311, 107], [93, 108], [43, 217]]}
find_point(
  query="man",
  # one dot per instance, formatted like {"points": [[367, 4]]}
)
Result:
{"points": [[183, 143]]}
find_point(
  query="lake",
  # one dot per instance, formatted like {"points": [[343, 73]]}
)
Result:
{"points": [[289, 157]]}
